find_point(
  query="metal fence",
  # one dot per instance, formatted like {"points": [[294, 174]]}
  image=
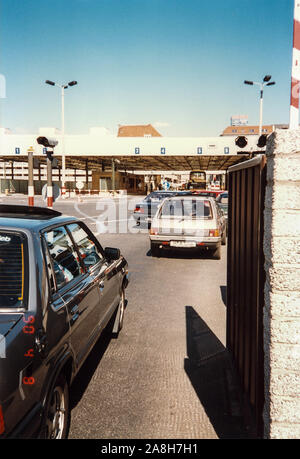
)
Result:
{"points": [[245, 280]]}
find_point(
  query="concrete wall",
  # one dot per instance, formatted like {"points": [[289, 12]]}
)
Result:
{"points": [[282, 287]]}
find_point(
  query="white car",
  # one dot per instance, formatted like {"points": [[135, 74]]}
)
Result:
{"points": [[189, 222]]}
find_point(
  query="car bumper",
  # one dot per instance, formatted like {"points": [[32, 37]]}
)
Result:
{"points": [[177, 242]]}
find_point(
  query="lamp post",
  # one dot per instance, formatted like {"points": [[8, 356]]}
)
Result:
{"points": [[266, 82], [63, 87]]}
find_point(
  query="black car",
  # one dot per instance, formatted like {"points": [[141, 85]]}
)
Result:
{"points": [[145, 211], [58, 291], [222, 201]]}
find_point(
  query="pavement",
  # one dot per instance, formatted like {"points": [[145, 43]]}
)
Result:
{"points": [[169, 374]]}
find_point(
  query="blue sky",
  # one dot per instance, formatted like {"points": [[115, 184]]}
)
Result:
{"points": [[179, 64]]}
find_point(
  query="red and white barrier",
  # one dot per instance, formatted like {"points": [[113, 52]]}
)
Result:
{"points": [[50, 196], [295, 85], [30, 195]]}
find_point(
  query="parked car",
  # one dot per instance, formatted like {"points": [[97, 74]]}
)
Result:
{"points": [[58, 290], [145, 211], [208, 193], [190, 222], [222, 201]]}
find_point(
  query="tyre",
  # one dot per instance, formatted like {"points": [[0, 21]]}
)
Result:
{"points": [[217, 253], [154, 250], [118, 325], [57, 412]]}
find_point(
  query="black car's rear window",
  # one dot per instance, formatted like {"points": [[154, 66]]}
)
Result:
{"points": [[13, 270], [187, 208]]}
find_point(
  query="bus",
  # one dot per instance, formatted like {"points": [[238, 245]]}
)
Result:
{"points": [[197, 180]]}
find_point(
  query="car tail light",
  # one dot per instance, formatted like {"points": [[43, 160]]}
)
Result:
{"points": [[214, 233], [2, 426], [153, 230], [139, 209]]}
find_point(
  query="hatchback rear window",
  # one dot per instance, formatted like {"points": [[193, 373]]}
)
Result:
{"points": [[187, 208], [13, 270]]}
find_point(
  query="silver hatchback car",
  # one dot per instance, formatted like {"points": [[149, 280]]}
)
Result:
{"points": [[189, 222]]}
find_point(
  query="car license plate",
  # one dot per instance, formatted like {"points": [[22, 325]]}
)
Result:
{"points": [[182, 244]]}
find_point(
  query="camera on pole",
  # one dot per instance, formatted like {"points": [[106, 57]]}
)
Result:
{"points": [[50, 143], [241, 141]]}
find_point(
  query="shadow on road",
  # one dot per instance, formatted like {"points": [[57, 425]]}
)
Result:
{"points": [[211, 373], [223, 289]]}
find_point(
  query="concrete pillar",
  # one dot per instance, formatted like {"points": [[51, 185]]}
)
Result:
{"points": [[282, 287], [113, 175]]}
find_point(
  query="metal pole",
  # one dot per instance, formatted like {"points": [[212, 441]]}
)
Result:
{"points": [[63, 189], [49, 183], [261, 111], [30, 179], [87, 173]]}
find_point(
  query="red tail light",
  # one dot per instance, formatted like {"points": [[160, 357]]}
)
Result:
{"points": [[153, 230], [2, 426], [214, 233], [139, 209]]}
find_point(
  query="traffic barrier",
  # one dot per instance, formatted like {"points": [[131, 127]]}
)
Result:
{"points": [[75, 192]]}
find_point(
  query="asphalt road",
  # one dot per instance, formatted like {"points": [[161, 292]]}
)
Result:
{"points": [[167, 376]]}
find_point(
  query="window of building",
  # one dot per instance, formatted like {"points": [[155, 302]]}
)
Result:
{"points": [[87, 248]]}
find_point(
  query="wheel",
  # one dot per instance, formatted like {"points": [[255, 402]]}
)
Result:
{"points": [[154, 250], [217, 253], [57, 413], [223, 241]]}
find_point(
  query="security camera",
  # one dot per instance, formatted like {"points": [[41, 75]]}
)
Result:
{"points": [[47, 142], [241, 141]]}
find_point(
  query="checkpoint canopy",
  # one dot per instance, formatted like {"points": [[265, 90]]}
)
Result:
{"points": [[135, 153]]}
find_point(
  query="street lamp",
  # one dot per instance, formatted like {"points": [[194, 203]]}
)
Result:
{"points": [[63, 87], [266, 82]]}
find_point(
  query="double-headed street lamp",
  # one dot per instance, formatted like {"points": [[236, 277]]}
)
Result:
{"points": [[266, 82], [63, 87]]}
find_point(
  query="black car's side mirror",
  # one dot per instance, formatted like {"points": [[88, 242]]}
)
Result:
{"points": [[111, 253]]}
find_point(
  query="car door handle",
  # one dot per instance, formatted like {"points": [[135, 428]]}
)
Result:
{"points": [[74, 310], [101, 285]]}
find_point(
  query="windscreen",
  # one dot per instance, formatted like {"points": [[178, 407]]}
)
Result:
{"points": [[223, 200], [187, 208], [13, 270]]}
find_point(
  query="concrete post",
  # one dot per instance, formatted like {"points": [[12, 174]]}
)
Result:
{"points": [[113, 175], [49, 184], [282, 287]]}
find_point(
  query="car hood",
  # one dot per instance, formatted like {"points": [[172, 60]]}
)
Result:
{"points": [[7, 322]]}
